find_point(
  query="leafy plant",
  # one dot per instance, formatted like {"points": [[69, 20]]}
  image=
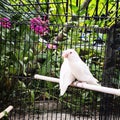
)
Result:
{"points": [[25, 52]]}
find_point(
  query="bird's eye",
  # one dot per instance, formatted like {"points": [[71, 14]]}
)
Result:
{"points": [[70, 52]]}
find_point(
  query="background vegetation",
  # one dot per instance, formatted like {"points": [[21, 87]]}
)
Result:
{"points": [[25, 52]]}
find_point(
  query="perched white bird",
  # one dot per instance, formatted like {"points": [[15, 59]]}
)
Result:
{"points": [[78, 68], [66, 77]]}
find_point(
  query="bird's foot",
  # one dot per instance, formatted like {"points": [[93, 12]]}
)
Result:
{"points": [[83, 84], [75, 82]]}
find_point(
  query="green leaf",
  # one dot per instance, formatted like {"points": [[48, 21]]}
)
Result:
{"points": [[21, 84], [32, 94]]}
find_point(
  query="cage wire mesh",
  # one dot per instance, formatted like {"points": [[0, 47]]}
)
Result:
{"points": [[33, 35]]}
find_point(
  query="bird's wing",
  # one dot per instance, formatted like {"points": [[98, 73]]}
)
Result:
{"points": [[81, 72], [66, 77]]}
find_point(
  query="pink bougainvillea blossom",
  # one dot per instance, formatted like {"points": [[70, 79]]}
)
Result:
{"points": [[51, 46], [5, 22], [39, 25]]}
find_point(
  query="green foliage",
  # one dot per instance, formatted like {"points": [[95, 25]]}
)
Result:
{"points": [[23, 55]]}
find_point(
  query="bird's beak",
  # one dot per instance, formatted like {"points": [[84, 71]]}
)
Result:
{"points": [[64, 55]]}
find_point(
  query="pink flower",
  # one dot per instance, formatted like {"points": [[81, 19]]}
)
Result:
{"points": [[5, 22], [51, 46], [39, 26]]}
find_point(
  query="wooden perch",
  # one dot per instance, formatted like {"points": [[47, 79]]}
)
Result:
{"points": [[6, 111], [81, 85]]}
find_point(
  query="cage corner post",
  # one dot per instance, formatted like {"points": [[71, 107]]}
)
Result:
{"points": [[110, 106]]}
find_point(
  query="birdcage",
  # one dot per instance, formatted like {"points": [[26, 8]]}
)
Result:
{"points": [[33, 35]]}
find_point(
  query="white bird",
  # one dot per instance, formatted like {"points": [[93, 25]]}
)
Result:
{"points": [[78, 68], [66, 77]]}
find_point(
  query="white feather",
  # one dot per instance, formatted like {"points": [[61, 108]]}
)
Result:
{"points": [[78, 68], [66, 77]]}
